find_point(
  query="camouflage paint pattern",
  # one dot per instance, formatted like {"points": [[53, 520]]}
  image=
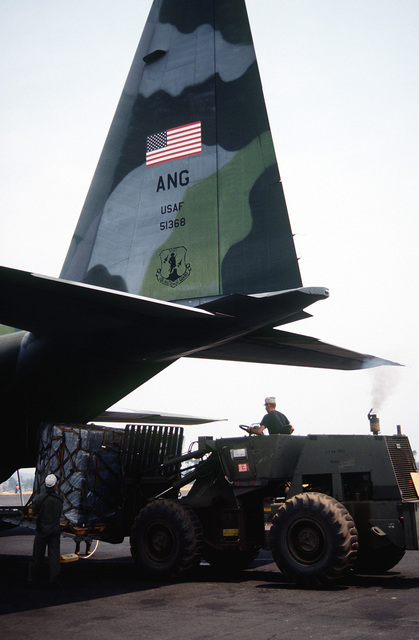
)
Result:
{"points": [[207, 224], [5, 330]]}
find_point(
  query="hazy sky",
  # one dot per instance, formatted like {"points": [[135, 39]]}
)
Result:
{"points": [[341, 87]]}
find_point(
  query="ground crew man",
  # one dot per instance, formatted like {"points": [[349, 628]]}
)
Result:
{"points": [[47, 507], [274, 421]]}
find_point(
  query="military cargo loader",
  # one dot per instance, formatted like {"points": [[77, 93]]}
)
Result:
{"points": [[323, 504]]}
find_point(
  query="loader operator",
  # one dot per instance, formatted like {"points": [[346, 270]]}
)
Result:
{"points": [[274, 421], [47, 507]]}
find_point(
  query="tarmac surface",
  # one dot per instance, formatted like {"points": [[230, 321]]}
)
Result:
{"points": [[104, 597]]}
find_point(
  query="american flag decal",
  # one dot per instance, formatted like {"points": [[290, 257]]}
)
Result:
{"points": [[173, 143]]}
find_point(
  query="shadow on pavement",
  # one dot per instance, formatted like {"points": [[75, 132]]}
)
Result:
{"points": [[103, 576]]}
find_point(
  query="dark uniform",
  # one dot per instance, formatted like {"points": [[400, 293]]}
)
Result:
{"points": [[276, 422], [47, 506]]}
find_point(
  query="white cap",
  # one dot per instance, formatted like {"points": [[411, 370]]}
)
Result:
{"points": [[270, 400], [50, 481]]}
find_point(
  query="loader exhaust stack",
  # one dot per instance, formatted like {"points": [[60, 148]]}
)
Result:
{"points": [[374, 423]]}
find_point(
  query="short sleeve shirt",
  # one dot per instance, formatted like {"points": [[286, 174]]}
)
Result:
{"points": [[276, 422]]}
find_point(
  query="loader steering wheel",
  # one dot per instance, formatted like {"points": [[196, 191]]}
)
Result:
{"points": [[244, 427]]}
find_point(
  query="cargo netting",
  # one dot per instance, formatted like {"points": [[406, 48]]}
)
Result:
{"points": [[87, 463], [92, 464]]}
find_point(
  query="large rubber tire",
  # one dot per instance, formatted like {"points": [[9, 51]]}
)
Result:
{"points": [[166, 539], [229, 561], [313, 539], [373, 562]]}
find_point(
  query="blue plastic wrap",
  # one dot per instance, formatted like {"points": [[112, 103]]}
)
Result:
{"points": [[87, 461]]}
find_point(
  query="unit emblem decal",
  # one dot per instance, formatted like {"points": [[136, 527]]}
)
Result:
{"points": [[174, 269]]}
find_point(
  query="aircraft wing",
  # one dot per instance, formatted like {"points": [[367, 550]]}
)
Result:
{"points": [[152, 417], [46, 305], [127, 327], [272, 346], [132, 328]]}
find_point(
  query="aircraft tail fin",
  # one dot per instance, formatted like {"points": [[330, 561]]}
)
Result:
{"points": [[187, 201]]}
